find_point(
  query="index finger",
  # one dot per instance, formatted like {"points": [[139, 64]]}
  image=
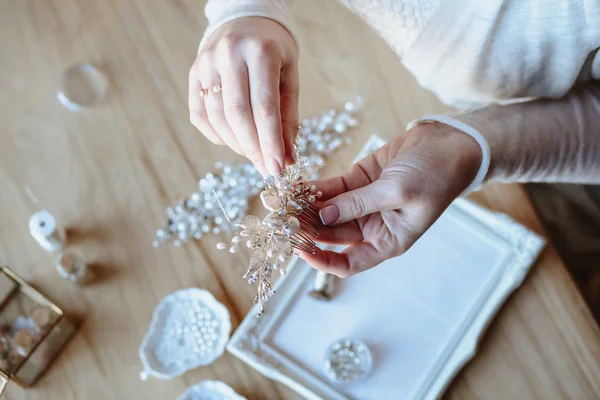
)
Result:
{"points": [[360, 174], [264, 77]]}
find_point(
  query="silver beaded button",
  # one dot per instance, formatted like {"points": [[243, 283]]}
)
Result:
{"points": [[348, 360]]}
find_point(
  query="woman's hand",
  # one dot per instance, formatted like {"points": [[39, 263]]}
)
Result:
{"points": [[254, 60], [386, 201]]}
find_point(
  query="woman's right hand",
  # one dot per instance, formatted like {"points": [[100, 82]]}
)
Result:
{"points": [[255, 61]]}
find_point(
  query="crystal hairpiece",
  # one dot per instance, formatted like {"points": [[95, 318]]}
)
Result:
{"points": [[292, 223], [236, 184]]}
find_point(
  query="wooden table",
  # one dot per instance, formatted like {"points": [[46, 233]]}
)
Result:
{"points": [[109, 173]]}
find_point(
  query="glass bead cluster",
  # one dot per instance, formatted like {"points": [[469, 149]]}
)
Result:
{"points": [[236, 184], [200, 214]]}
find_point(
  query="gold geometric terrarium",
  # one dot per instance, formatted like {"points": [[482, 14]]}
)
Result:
{"points": [[33, 331]]}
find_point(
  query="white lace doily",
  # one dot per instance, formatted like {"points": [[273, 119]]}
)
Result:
{"points": [[210, 390], [189, 328]]}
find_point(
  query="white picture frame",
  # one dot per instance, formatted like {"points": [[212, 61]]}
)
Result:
{"points": [[286, 357]]}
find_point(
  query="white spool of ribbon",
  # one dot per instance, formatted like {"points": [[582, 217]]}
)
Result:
{"points": [[44, 229]]}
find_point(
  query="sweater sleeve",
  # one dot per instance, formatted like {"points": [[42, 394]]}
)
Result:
{"points": [[543, 140], [220, 12]]}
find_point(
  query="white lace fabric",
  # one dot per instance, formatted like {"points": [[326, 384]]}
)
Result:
{"points": [[189, 328], [210, 390]]}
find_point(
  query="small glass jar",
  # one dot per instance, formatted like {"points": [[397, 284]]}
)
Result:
{"points": [[72, 267]]}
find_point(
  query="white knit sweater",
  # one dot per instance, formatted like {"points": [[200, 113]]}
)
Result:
{"points": [[525, 72]]}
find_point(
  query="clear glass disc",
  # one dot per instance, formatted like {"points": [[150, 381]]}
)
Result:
{"points": [[82, 86]]}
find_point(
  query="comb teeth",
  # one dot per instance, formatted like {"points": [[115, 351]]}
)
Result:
{"points": [[310, 225]]}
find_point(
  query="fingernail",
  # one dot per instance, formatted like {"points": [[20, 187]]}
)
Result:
{"points": [[273, 166], [329, 214]]}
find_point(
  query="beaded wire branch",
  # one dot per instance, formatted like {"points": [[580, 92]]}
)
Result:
{"points": [[292, 223], [236, 184]]}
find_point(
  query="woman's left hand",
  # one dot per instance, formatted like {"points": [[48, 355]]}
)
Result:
{"points": [[386, 201]]}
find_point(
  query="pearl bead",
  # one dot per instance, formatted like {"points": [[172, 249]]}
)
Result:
{"points": [[292, 225]]}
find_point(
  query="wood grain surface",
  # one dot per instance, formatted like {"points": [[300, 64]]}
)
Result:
{"points": [[108, 174]]}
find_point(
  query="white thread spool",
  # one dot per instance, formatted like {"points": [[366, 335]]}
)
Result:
{"points": [[43, 228]]}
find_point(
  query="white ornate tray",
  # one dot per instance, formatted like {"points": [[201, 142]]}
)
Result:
{"points": [[422, 314]]}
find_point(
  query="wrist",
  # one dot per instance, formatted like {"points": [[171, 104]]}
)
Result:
{"points": [[473, 148], [241, 13], [462, 155]]}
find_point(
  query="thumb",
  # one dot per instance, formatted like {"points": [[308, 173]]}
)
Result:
{"points": [[348, 206]]}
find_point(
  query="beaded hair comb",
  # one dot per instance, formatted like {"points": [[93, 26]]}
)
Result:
{"points": [[292, 223], [199, 215]]}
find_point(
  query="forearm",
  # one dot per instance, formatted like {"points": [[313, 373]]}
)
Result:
{"points": [[543, 140], [219, 12]]}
